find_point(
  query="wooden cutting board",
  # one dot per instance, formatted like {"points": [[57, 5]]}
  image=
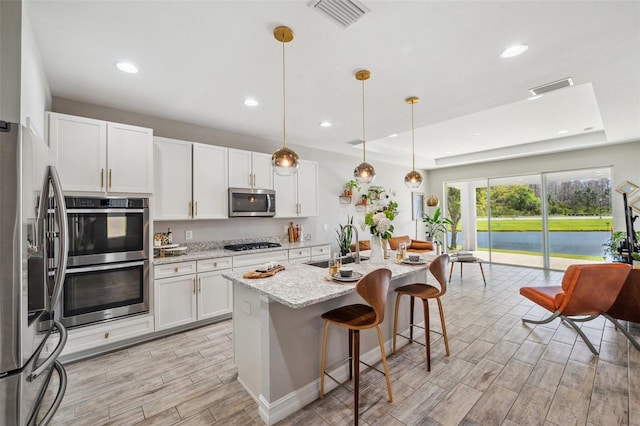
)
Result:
{"points": [[258, 274]]}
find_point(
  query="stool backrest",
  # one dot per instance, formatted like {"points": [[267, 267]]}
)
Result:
{"points": [[373, 288], [591, 289], [438, 268]]}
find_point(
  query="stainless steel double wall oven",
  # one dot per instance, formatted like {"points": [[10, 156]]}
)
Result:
{"points": [[108, 267]]}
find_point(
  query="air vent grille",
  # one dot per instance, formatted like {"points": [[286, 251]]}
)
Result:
{"points": [[560, 84], [343, 12]]}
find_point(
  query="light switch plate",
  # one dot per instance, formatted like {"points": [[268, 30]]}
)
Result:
{"points": [[246, 308], [188, 235]]}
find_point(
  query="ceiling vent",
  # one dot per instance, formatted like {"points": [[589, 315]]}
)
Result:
{"points": [[560, 84], [343, 12]]}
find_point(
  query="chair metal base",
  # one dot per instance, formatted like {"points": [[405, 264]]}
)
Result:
{"points": [[572, 323]]}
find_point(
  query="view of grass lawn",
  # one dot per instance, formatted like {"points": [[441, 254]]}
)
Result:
{"points": [[537, 253], [566, 224]]}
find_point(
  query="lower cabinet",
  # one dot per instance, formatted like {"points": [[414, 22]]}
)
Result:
{"points": [[182, 297], [320, 253]]}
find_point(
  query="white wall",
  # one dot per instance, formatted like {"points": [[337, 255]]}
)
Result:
{"points": [[623, 158], [334, 171], [35, 96]]}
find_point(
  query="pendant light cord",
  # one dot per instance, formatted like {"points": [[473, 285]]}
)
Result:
{"points": [[284, 101], [364, 143], [413, 143]]}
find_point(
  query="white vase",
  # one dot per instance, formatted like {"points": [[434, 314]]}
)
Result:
{"points": [[376, 255]]}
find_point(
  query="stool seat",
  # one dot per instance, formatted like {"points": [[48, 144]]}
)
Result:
{"points": [[423, 291], [354, 317]]}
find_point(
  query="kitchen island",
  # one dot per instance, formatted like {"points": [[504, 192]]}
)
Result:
{"points": [[277, 331]]}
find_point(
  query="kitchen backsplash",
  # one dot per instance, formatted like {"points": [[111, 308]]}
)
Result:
{"points": [[218, 245]]}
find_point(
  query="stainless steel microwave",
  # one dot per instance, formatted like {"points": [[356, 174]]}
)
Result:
{"points": [[245, 202]]}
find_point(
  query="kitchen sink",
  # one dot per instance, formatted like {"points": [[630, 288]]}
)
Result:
{"points": [[325, 263]]}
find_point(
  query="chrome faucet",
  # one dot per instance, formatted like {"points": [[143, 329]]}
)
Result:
{"points": [[344, 228]]}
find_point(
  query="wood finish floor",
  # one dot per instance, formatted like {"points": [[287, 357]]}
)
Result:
{"points": [[500, 372]]}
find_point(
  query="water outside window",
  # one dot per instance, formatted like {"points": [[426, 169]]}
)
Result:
{"points": [[507, 219]]}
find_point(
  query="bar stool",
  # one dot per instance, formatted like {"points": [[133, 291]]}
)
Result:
{"points": [[438, 268], [373, 289]]}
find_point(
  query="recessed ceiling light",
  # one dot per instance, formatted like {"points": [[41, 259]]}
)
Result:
{"points": [[588, 129], [515, 50], [326, 124], [127, 67], [476, 133], [532, 98], [393, 135], [448, 153], [563, 132], [250, 102]]}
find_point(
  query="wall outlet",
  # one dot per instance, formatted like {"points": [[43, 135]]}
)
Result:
{"points": [[188, 235], [286, 229], [246, 308], [324, 227]]}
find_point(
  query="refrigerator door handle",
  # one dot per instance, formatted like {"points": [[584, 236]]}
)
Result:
{"points": [[54, 355], [63, 226], [62, 388]]}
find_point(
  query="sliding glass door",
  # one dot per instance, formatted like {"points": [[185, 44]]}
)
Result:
{"points": [[548, 220]]}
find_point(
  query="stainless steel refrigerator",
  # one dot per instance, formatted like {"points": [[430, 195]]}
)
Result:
{"points": [[33, 241]]}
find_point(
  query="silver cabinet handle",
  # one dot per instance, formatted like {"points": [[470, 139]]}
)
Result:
{"points": [[196, 209], [194, 286], [190, 212], [110, 179], [101, 178], [199, 285]]}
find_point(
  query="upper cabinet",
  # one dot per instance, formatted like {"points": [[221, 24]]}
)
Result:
{"points": [[100, 157], [190, 180], [297, 195], [250, 169]]}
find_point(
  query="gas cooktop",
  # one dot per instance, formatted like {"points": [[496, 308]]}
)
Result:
{"points": [[251, 246]]}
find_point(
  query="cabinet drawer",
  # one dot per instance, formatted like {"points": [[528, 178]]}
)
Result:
{"points": [[300, 253], [258, 258], [174, 269], [214, 264], [320, 252]]}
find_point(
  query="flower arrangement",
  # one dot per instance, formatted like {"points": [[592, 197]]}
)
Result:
{"points": [[379, 220]]}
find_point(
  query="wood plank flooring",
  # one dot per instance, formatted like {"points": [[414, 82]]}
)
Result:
{"points": [[500, 372]]}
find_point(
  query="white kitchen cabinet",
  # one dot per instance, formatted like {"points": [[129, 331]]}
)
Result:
{"points": [[172, 179], [192, 291], [299, 255], [100, 157], [250, 169], [297, 195], [321, 253], [190, 180]]}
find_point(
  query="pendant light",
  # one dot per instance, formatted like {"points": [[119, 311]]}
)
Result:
{"points": [[284, 161], [413, 179], [364, 173]]}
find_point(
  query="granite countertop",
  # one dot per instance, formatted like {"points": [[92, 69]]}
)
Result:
{"points": [[302, 285], [200, 254]]}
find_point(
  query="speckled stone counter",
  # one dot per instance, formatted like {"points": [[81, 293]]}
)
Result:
{"points": [[199, 251], [299, 286]]}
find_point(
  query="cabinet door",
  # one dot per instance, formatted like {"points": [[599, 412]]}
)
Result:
{"points": [[175, 301], [286, 199], [262, 172], [215, 295], [129, 159], [239, 168], [172, 179], [307, 189], [210, 182], [78, 150]]}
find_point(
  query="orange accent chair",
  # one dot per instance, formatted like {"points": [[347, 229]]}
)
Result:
{"points": [[416, 246], [587, 291], [364, 245]]}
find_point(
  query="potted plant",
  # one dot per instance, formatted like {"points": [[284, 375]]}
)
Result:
{"points": [[344, 239], [436, 225], [635, 260], [364, 200], [374, 192], [350, 186]]}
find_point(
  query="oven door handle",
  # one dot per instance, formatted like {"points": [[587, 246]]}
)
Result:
{"points": [[104, 267], [106, 211]]}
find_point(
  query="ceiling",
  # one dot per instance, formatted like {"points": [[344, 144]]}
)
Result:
{"points": [[199, 60]]}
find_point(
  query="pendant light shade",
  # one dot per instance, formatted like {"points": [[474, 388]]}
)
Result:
{"points": [[364, 173], [413, 179], [284, 161]]}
